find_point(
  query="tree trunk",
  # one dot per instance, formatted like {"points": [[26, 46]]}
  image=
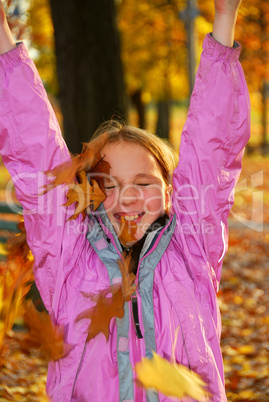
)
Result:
{"points": [[163, 122], [136, 98], [89, 67]]}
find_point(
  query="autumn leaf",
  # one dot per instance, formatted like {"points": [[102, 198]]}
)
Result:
{"points": [[13, 287], [84, 194], [127, 232], [105, 309], [128, 278], [97, 196], [99, 171], [84, 174], [67, 172], [44, 335], [14, 284], [108, 307], [170, 379], [18, 246]]}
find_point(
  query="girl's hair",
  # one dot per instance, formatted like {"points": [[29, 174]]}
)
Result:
{"points": [[113, 131]]}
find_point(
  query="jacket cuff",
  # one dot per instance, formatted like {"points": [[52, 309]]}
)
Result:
{"points": [[12, 58], [216, 50]]}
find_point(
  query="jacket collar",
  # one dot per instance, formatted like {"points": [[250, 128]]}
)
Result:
{"points": [[99, 221]]}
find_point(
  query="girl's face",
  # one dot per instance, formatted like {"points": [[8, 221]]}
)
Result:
{"points": [[135, 189]]}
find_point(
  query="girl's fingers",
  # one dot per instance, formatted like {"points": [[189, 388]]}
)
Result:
{"points": [[227, 6], [2, 12]]}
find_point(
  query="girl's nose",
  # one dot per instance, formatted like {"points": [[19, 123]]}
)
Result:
{"points": [[128, 195]]}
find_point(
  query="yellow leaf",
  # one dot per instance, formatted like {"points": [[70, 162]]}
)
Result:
{"points": [[3, 250], [169, 379]]}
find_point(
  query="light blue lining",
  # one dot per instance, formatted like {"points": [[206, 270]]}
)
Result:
{"points": [[145, 289]]}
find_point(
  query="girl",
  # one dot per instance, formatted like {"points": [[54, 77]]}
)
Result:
{"points": [[181, 238]]}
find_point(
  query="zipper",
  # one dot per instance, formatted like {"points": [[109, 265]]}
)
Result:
{"points": [[135, 316], [135, 354]]}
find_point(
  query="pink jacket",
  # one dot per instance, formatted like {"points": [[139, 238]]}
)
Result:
{"points": [[178, 273]]}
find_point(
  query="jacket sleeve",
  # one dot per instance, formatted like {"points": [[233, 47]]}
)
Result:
{"points": [[31, 143], [214, 136]]}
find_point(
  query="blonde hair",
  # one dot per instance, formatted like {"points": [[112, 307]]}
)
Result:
{"points": [[113, 131]]}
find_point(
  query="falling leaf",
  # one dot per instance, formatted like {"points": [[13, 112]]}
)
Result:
{"points": [[18, 246], [127, 232], [108, 307], [100, 171], [14, 284], [128, 278], [84, 194], [96, 195], [84, 174], [44, 335], [67, 172], [3, 250], [105, 309], [172, 380]]}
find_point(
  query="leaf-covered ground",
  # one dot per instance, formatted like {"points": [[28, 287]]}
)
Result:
{"points": [[244, 302], [243, 298]]}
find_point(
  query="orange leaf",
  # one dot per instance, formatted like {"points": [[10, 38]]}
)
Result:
{"points": [[44, 335], [67, 172], [105, 309], [84, 194], [127, 231], [128, 278], [100, 171], [97, 195], [17, 245]]}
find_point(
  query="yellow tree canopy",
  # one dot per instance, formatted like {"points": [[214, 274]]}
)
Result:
{"points": [[154, 48], [42, 40]]}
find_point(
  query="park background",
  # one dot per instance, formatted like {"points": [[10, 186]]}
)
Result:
{"points": [[136, 60]]}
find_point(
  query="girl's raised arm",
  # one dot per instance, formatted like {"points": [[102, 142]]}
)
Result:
{"points": [[211, 149], [6, 40], [225, 20], [31, 143]]}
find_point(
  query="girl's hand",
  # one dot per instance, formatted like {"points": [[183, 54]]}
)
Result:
{"points": [[225, 20], [6, 40], [2, 13], [229, 7]]}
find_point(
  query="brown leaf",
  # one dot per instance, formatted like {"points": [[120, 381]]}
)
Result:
{"points": [[14, 281], [84, 194], [97, 195], [128, 278], [105, 309], [66, 173], [44, 335], [127, 231], [99, 171], [17, 245]]}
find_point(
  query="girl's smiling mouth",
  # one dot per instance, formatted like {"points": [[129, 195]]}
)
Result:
{"points": [[130, 216]]}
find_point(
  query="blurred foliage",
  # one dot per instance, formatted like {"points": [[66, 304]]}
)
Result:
{"points": [[154, 48], [153, 40], [252, 31], [42, 40]]}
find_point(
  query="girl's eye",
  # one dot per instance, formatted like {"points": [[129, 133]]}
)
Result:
{"points": [[109, 187], [143, 184]]}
